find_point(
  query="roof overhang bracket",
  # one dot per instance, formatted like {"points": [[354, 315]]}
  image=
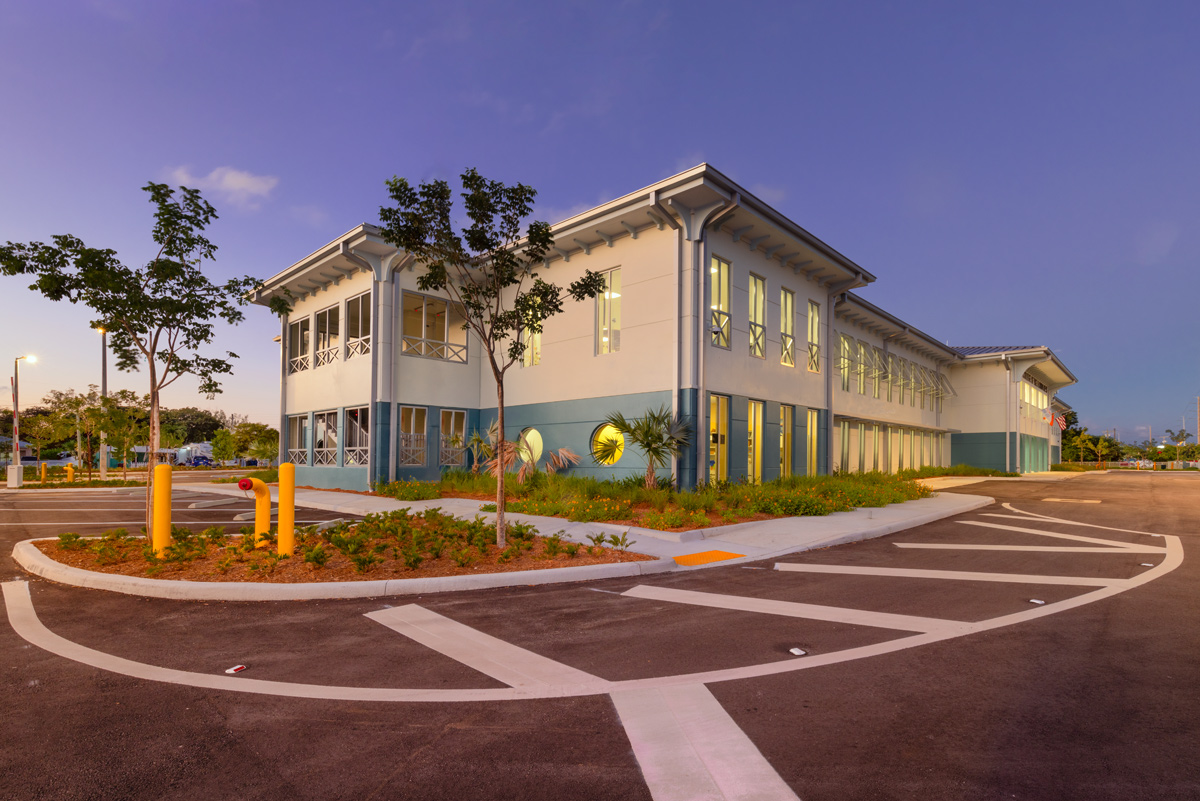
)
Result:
{"points": [[695, 219]]}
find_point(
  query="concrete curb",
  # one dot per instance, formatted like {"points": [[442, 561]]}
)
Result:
{"points": [[29, 557]]}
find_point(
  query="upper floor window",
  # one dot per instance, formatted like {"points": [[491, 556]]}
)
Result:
{"points": [[327, 335], [845, 359], [787, 327], [814, 337], [608, 314], [533, 347], [719, 302], [358, 325], [433, 327], [863, 366], [878, 372], [298, 345], [758, 316], [893, 376]]}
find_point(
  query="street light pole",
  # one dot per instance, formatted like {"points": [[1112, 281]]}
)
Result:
{"points": [[103, 397], [15, 470]]}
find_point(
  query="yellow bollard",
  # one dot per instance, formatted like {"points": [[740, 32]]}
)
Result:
{"points": [[262, 507], [287, 508], [43, 472], [160, 537], [70, 474]]}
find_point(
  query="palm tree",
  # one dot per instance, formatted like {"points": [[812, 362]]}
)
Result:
{"points": [[657, 434]]}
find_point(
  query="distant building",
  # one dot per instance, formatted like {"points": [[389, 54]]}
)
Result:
{"points": [[717, 306]]}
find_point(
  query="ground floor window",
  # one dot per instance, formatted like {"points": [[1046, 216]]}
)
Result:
{"points": [[297, 439], [453, 450], [812, 434], [358, 440], [718, 431], [754, 426], [325, 431], [785, 440], [862, 447], [410, 444], [844, 437]]}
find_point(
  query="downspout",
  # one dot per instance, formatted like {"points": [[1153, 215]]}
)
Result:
{"points": [[283, 362]]}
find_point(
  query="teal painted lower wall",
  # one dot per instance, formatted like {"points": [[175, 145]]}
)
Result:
{"points": [[986, 449], [351, 478]]}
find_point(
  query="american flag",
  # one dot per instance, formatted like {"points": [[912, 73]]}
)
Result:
{"points": [[1062, 423]]}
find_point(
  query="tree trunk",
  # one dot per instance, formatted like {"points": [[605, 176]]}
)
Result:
{"points": [[501, 538]]}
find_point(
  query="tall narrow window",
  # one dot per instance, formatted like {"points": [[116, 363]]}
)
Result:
{"points": [[327, 335], [718, 301], [325, 431], [358, 325], [758, 316], [875, 447], [862, 447], [297, 441], [845, 359], [877, 369], [754, 427], [718, 431], [844, 441], [410, 446], [893, 375], [811, 435], [453, 447], [358, 433], [298, 346], [914, 383], [533, 347], [863, 366], [787, 327], [814, 338], [608, 314], [785, 440]]}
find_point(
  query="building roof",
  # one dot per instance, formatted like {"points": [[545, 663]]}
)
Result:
{"points": [[976, 350]]}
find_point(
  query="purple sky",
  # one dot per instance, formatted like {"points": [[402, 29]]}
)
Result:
{"points": [[1020, 173]]}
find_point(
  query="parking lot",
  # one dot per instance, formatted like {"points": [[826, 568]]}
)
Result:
{"points": [[927, 669]]}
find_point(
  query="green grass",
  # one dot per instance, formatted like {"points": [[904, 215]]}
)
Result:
{"points": [[956, 470], [112, 482], [270, 476]]}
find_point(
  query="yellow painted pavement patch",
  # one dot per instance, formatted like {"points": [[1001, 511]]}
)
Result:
{"points": [[705, 557]]}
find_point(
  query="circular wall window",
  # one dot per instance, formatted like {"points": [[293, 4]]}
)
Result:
{"points": [[607, 444], [529, 445]]}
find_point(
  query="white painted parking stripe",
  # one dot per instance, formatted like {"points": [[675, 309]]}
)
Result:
{"points": [[1032, 548], [954, 575], [1063, 522], [501, 660], [1054, 534], [832, 614], [690, 749], [1067, 500]]}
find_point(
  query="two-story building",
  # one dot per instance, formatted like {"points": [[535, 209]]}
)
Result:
{"points": [[716, 306]]}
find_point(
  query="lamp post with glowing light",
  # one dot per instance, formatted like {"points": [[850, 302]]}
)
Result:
{"points": [[15, 475]]}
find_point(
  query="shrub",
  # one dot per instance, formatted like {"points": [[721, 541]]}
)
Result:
{"points": [[409, 490]]}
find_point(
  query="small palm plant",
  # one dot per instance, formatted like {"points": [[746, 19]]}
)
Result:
{"points": [[656, 434], [484, 451]]}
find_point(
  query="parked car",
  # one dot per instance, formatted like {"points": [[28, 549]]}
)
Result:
{"points": [[200, 461]]}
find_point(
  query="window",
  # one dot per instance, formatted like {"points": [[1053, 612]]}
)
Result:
{"points": [[325, 429], [718, 429], [862, 447], [785, 440], [358, 325], [432, 328], [914, 382], [864, 365], [533, 347], [754, 426], [358, 436], [875, 447], [893, 375], [327, 336], [877, 365], [814, 420], [787, 327], [529, 445], [844, 436], [814, 337], [608, 314], [453, 450], [410, 445], [298, 345], [719, 302], [608, 445], [758, 316], [845, 359], [297, 439]]}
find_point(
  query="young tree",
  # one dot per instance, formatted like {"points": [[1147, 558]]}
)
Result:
{"points": [[488, 269], [126, 422], [161, 314], [198, 424], [656, 434], [246, 434], [223, 446]]}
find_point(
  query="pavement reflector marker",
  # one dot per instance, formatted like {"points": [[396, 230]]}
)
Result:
{"points": [[1036, 601], [1147, 564], [705, 557], [797, 651], [236, 669]]}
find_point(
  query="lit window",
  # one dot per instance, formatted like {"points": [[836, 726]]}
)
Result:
{"points": [[298, 345], [754, 427], [864, 358], [876, 371], [433, 328], [719, 302], [410, 441], [812, 439], [608, 314], [718, 427], [785, 441], [358, 325], [608, 444], [814, 338], [533, 347], [845, 359], [758, 316], [787, 327]]}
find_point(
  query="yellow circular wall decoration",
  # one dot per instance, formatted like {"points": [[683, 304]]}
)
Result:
{"points": [[606, 434]]}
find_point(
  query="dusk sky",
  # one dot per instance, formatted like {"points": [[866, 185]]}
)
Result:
{"points": [[1021, 173]]}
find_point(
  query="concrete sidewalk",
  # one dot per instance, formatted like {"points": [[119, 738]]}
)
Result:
{"points": [[741, 542]]}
